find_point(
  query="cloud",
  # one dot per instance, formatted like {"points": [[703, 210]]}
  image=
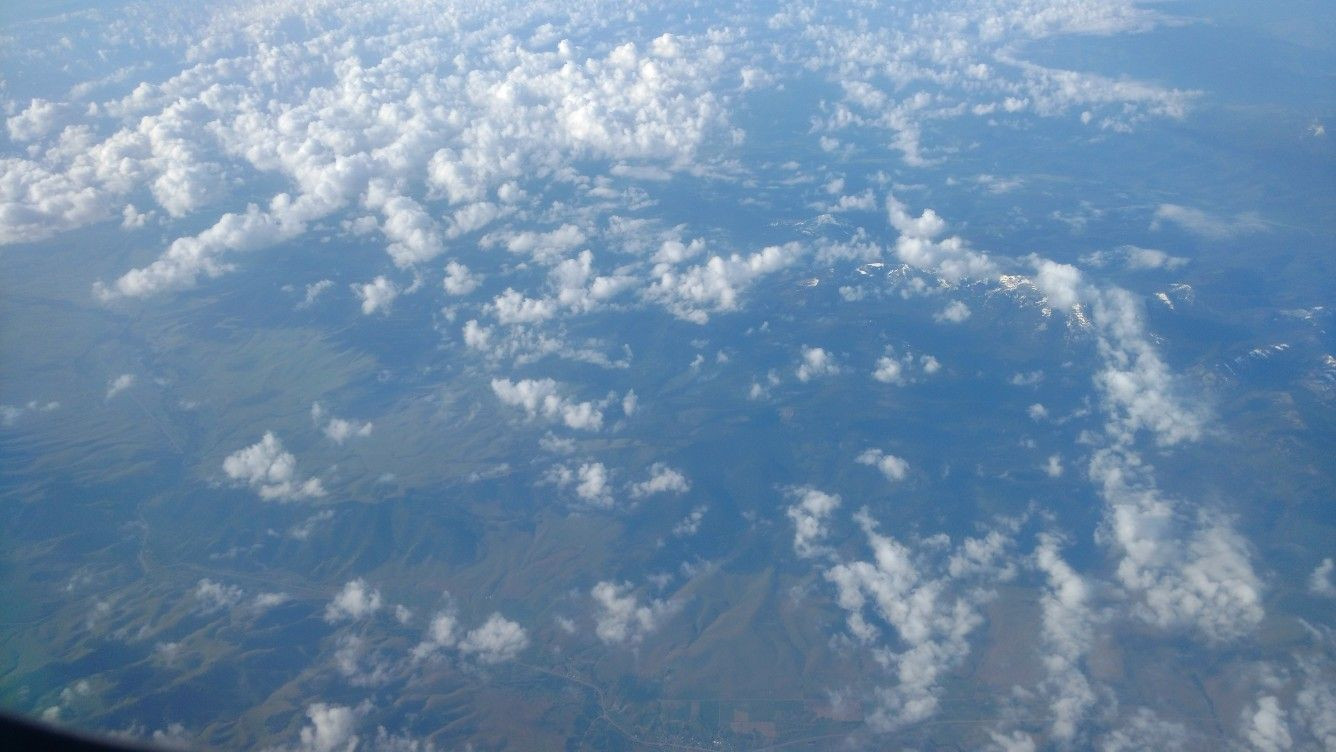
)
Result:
{"points": [[690, 525], [414, 236], [1146, 730], [361, 665], [456, 106], [931, 610], [1135, 258], [459, 280], [578, 288], [331, 728], [10, 414], [497, 640], [1265, 726], [1138, 389], [271, 471], [890, 466], [213, 596], [133, 219], [662, 479], [889, 371], [1182, 573], [36, 120], [1016, 741], [1059, 283], [512, 307], [717, 285], [539, 397], [339, 430], [620, 619], [1319, 582], [313, 292], [900, 370], [809, 514], [950, 62], [592, 484], [265, 601], [955, 312], [120, 384], [1203, 224], [1067, 636], [378, 295], [1315, 704], [187, 258], [355, 601], [815, 363], [543, 247], [950, 258]]}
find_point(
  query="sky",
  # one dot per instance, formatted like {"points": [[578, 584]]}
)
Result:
{"points": [[985, 344]]}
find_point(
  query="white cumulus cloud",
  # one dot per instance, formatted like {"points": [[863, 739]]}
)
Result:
{"points": [[271, 471]]}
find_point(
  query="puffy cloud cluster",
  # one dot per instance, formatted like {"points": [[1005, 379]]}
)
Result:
{"points": [[815, 363], [950, 258], [435, 109], [955, 312], [271, 471], [929, 602], [591, 482], [690, 525], [809, 513], [356, 600], [187, 258], [662, 479], [574, 286], [339, 728], [543, 247], [528, 343], [1315, 703], [459, 280], [894, 468], [695, 292], [377, 296], [540, 398], [359, 662], [1184, 573], [339, 430], [959, 59], [214, 596], [1266, 727], [331, 729], [1181, 572], [620, 618], [496, 640], [900, 370], [1068, 623], [39, 118], [1144, 729]]}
